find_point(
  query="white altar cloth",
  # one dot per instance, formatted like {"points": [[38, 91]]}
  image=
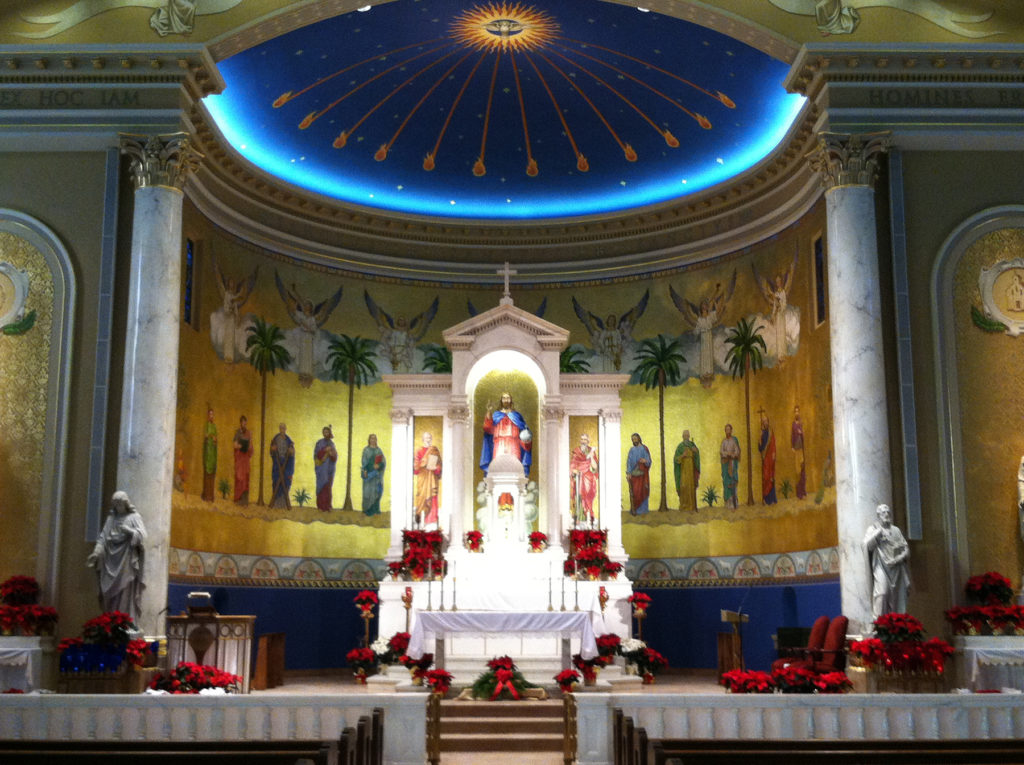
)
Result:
{"points": [[21, 663], [561, 623], [991, 662]]}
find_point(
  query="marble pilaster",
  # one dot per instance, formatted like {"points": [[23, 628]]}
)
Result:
{"points": [[401, 498], [610, 423], [158, 168], [461, 447], [848, 167], [552, 416]]}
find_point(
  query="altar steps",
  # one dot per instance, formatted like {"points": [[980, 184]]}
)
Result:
{"points": [[501, 726]]}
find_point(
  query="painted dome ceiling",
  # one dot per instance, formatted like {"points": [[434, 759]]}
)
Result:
{"points": [[503, 111]]}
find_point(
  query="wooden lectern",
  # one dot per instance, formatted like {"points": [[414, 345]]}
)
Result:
{"points": [[730, 644]]}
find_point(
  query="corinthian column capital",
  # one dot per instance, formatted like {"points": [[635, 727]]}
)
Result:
{"points": [[160, 160], [843, 159]]}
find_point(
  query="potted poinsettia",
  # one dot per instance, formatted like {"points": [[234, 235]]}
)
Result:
{"points": [[567, 680], [640, 602], [188, 677], [363, 662], [649, 664], [19, 591], [989, 589], [747, 681], [538, 541], [438, 680], [417, 667], [474, 541], [366, 600]]}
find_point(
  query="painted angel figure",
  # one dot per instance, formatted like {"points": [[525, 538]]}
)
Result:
{"points": [[776, 293], [704, 318], [398, 335], [227, 326], [613, 337], [309, 320]]}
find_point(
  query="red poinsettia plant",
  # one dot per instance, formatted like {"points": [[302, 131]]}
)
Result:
{"points": [[989, 589], [110, 628], [362, 659], [650, 662], [189, 677], [139, 652], [590, 667], [439, 680], [417, 667], [567, 679], [608, 645], [794, 679], [19, 591], [747, 681], [975, 620], [892, 628], [832, 682], [538, 540], [580, 538], [473, 540]]}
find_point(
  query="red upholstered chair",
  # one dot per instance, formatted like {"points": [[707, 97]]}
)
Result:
{"points": [[812, 651], [833, 651]]}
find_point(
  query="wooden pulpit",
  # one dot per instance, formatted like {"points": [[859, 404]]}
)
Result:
{"points": [[730, 644]]}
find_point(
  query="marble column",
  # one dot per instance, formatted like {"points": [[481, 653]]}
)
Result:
{"points": [[610, 424], [461, 447], [158, 165], [401, 483], [848, 168], [552, 416]]}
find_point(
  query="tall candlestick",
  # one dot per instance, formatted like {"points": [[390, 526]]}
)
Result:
{"points": [[563, 590], [551, 586], [454, 607], [430, 582]]}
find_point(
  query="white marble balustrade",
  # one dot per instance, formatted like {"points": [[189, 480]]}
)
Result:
{"points": [[208, 718], [798, 717]]}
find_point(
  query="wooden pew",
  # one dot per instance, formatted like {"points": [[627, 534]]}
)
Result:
{"points": [[171, 752]]}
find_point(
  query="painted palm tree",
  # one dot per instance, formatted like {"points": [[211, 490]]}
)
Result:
{"points": [[570, 363], [745, 357], [351, 361], [658, 363], [266, 354], [437, 359]]}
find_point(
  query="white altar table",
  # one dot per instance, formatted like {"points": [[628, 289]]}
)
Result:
{"points": [[990, 662], [563, 623], [22, 662]]}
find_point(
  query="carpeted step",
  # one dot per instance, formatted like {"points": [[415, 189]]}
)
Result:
{"points": [[501, 725], [488, 742], [532, 709]]}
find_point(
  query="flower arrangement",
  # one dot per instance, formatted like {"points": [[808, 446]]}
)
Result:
{"points": [[975, 620], [794, 679], [396, 569], [989, 589], [417, 667], [366, 600], [20, 611], [790, 680], [593, 561], [590, 667], [900, 647], [139, 652], [474, 540], [363, 661], [113, 628], [747, 681], [19, 591], [567, 680], [188, 677], [439, 681], [891, 628], [650, 662], [538, 541], [608, 645], [14, 690], [421, 554], [640, 602], [630, 649], [501, 680]]}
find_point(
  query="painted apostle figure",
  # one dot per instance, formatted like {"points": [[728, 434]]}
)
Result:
{"points": [[583, 469], [729, 453], [426, 471], [686, 468], [282, 458], [638, 476], [325, 460], [505, 432], [371, 468]]}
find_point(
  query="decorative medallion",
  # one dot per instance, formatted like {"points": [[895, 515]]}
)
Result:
{"points": [[1002, 297]]}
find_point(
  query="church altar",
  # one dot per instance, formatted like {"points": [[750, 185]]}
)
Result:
{"points": [[989, 662], [507, 488], [26, 662]]}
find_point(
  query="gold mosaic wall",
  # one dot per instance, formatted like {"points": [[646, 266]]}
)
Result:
{"points": [[990, 367], [802, 378], [24, 375]]}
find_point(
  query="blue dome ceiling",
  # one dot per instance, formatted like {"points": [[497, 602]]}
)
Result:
{"points": [[496, 110]]}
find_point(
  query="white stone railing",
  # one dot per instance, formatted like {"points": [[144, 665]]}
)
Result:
{"points": [[205, 718], [797, 716]]}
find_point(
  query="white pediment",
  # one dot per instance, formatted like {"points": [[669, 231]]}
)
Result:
{"points": [[509, 322]]}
